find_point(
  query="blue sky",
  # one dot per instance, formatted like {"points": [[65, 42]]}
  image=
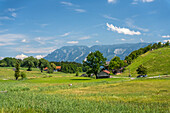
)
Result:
{"points": [[38, 27]]}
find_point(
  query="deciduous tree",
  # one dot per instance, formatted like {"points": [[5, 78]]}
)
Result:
{"points": [[94, 61]]}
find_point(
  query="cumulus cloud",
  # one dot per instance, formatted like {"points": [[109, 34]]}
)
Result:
{"points": [[72, 42], [111, 1], [122, 30], [166, 36], [97, 41], [22, 56]]}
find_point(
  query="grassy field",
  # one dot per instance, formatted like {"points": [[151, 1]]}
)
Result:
{"points": [[157, 63], [42, 92]]}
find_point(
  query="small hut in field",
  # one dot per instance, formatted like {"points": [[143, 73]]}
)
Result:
{"points": [[103, 74]]}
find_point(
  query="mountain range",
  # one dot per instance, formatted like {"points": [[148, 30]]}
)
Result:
{"points": [[79, 53]]}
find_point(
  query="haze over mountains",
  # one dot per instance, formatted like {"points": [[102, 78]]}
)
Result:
{"points": [[79, 53]]}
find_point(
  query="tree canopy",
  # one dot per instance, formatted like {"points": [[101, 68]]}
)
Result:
{"points": [[142, 70], [94, 61], [116, 63]]}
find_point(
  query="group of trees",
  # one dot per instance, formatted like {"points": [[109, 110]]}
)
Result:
{"points": [[133, 55], [29, 62], [116, 64], [70, 68]]}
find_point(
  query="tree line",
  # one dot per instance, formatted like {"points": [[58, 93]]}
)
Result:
{"points": [[31, 62]]}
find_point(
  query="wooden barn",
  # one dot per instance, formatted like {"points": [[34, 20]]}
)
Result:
{"points": [[103, 74]]}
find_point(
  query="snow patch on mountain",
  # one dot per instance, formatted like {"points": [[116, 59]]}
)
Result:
{"points": [[79, 56], [119, 51]]}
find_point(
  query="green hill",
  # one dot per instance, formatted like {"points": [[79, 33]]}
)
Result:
{"points": [[156, 61]]}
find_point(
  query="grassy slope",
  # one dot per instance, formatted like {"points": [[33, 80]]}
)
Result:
{"points": [[157, 62]]}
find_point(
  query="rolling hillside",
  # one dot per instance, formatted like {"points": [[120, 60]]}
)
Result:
{"points": [[156, 61]]}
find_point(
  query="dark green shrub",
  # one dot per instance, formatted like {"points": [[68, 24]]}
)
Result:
{"points": [[17, 71], [142, 70], [23, 75]]}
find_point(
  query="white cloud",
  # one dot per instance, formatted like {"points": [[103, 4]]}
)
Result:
{"points": [[166, 36], [44, 40], [80, 10], [85, 37], [11, 9], [97, 41], [10, 39], [39, 56], [147, 0], [141, 40], [5, 18], [111, 18], [24, 40], [65, 34], [166, 40], [72, 42], [14, 15], [111, 1], [22, 56], [144, 1], [73, 7], [123, 39], [122, 30], [67, 3]]}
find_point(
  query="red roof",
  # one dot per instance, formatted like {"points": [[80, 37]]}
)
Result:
{"points": [[58, 67], [106, 71], [46, 68]]}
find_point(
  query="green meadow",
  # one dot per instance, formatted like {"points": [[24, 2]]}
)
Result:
{"points": [[51, 93], [157, 63]]}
